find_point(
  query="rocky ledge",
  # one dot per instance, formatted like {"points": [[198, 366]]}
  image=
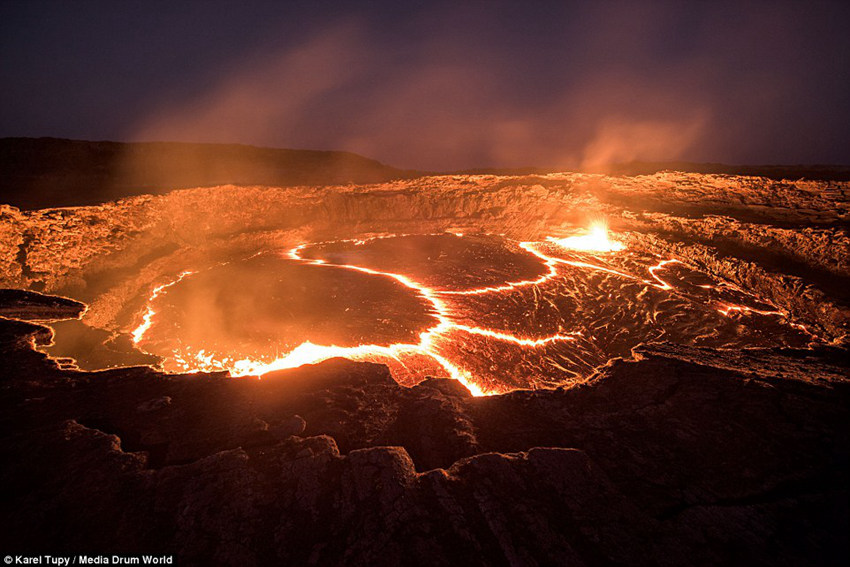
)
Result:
{"points": [[34, 306], [682, 456]]}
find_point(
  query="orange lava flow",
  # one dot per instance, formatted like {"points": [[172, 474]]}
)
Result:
{"points": [[445, 321], [728, 308], [147, 319]]}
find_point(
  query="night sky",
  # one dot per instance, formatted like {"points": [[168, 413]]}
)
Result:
{"points": [[440, 85]]}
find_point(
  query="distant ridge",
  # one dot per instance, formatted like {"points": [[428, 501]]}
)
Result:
{"points": [[37, 173], [777, 172], [40, 173]]}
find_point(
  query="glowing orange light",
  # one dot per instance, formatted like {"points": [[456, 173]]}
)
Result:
{"points": [[727, 309], [147, 319], [188, 360], [445, 318], [596, 240]]}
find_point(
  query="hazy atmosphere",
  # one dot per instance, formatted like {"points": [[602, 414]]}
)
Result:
{"points": [[475, 283], [440, 85]]}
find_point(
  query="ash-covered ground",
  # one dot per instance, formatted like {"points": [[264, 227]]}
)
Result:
{"points": [[681, 401]]}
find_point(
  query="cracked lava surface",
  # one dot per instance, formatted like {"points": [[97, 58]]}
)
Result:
{"points": [[699, 448], [493, 313], [501, 283]]}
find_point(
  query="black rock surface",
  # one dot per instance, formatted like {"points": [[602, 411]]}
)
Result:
{"points": [[683, 456]]}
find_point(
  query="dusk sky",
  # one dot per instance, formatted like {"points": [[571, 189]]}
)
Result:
{"points": [[440, 85]]}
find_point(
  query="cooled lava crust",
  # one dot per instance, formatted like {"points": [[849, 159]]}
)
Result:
{"points": [[671, 453]]}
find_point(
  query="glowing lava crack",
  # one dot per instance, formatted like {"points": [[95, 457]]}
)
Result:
{"points": [[309, 353], [483, 357]]}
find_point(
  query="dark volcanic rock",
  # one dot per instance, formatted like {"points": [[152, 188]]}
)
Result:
{"points": [[680, 456], [683, 457], [33, 306]]}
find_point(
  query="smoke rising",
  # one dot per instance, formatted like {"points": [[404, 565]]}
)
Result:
{"points": [[338, 90], [440, 86]]}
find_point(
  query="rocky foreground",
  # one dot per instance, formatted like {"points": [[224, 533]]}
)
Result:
{"points": [[681, 457], [677, 456]]}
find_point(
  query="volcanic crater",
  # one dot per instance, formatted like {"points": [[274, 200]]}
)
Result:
{"points": [[532, 307], [612, 344]]}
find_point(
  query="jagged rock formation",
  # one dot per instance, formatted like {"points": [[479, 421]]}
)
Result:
{"points": [[681, 457], [677, 456]]}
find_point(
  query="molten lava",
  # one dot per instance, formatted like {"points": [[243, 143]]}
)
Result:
{"points": [[595, 240], [496, 315], [147, 318]]}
